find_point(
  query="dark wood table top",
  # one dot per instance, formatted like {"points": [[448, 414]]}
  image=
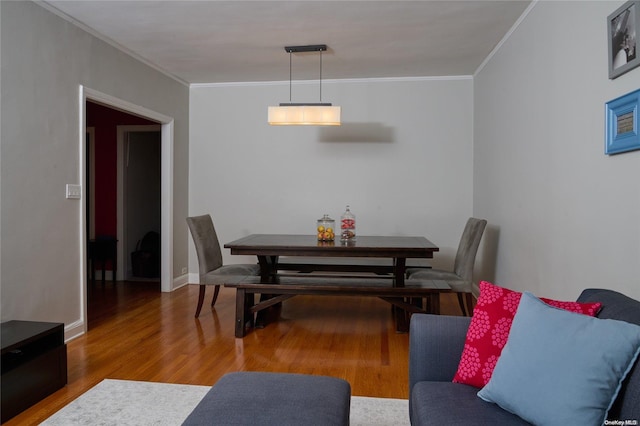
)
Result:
{"points": [[15, 333], [308, 245]]}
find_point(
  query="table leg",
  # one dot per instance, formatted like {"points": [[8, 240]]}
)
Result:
{"points": [[401, 316], [268, 267], [434, 302], [399, 270], [241, 312], [268, 270]]}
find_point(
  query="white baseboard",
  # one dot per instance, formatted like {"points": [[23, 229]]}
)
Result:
{"points": [[73, 330], [180, 281], [194, 278]]}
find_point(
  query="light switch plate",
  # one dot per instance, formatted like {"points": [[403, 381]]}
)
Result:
{"points": [[74, 191]]}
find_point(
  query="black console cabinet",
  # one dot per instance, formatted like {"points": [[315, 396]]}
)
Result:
{"points": [[34, 364]]}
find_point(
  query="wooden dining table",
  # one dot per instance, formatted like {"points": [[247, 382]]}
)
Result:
{"points": [[276, 253], [269, 248]]}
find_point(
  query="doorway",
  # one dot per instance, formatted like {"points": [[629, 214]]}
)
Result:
{"points": [[110, 156], [166, 185], [139, 200]]}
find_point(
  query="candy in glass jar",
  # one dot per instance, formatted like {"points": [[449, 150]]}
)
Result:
{"points": [[347, 226], [325, 228]]}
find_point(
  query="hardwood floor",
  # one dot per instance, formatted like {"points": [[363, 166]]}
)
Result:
{"points": [[138, 333]]}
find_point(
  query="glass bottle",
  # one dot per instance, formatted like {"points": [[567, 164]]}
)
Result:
{"points": [[347, 226], [325, 228]]}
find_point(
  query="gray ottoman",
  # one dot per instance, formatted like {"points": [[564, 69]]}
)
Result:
{"points": [[252, 398]]}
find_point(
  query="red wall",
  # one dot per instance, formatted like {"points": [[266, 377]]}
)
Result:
{"points": [[105, 121]]}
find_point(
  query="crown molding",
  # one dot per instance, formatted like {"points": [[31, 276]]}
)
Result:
{"points": [[102, 37], [506, 37], [332, 81]]}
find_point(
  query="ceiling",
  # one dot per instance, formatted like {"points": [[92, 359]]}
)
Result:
{"points": [[243, 41]]}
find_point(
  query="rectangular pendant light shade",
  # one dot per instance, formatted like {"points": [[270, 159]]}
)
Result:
{"points": [[304, 115]]}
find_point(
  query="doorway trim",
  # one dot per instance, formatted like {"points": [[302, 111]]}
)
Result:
{"points": [[91, 135], [166, 184]]}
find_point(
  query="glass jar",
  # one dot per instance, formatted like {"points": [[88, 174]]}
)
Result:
{"points": [[325, 228], [347, 226]]}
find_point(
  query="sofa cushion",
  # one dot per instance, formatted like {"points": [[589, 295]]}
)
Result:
{"points": [[451, 404], [489, 330], [559, 367]]}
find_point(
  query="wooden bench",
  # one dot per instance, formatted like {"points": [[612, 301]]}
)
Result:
{"points": [[369, 265], [284, 287]]}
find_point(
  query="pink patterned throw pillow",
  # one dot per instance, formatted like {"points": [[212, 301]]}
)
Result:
{"points": [[489, 331]]}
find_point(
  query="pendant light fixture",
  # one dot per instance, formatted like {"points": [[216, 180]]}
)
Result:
{"points": [[304, 114]]}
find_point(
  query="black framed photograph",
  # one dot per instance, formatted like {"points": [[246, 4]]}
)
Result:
{"points": [[622, 30], [621, 126]]}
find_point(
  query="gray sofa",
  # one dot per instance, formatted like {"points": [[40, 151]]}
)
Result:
{"points": [[436, 343]]}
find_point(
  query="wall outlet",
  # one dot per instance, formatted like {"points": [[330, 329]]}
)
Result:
{"points": [[184, 270]]}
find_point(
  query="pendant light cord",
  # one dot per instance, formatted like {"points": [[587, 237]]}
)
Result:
{"points": [[291, 50]]}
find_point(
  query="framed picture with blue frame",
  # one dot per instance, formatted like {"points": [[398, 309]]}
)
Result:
{"points": [[621, 124]]}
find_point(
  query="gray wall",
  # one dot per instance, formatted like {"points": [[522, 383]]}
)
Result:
{"points": [[44, 60], [402, 160], [563, 215], [521, 145]]}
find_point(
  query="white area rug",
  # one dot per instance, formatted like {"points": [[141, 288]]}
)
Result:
{"points": [[124, 403]]}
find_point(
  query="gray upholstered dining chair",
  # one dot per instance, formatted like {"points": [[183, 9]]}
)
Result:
{"points": [[461, 278], [212, 271]]}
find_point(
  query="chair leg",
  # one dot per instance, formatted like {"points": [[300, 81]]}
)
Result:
{"points": [[461, 302], [200, 299], [215, 295]]}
